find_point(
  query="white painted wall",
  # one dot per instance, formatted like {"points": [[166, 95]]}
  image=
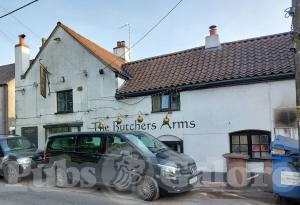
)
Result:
{"points": [[69, 59], [216, 113], [211, 113]]}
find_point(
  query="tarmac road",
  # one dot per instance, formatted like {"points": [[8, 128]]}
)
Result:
{"points": [[26, 193]]}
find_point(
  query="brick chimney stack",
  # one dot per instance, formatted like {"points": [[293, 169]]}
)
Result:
{"points": [[212, 41], [122, 51], [22, 54]]}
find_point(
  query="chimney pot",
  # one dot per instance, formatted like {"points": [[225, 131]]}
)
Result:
{"points": [[213, 30], [22, 40], [122, 51]]}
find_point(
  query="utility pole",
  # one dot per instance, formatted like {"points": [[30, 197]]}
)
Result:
{"points": [[295, 12]]}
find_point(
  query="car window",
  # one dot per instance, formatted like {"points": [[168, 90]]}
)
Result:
{"points": [[16, 144], [66, 143], [89, 144], [115, 144]]}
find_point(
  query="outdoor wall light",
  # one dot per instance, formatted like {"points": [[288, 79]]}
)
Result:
{"points": [[101, 71], [119, 120], [101, 125], [23, 91], [62, 79], [166, 120], [85, 73], [140, 118]]}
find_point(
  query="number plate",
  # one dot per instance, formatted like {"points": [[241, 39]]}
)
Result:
{"points": [[193, 180]]}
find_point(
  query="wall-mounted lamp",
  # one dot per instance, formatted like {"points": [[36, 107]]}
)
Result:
{"points": [[119, 120], [85, 73], [62, 79], [101, 71], [23, 91], [101, 125]]}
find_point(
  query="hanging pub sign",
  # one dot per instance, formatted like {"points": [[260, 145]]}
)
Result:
{"points": [[43, 73]]}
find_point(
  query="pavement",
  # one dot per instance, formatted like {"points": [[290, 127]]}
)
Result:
{"points": [[26, 193]]}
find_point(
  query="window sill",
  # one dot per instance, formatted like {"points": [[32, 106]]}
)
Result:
{"points": [[59, 113], [164, 111]]}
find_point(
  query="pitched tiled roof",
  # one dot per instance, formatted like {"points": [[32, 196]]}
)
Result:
{"points": [[109, 58], [7, 73], [244, 61]]}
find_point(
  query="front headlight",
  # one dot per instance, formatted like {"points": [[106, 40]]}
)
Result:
{"points": [[278, 151], [168, 172], [24, 161]]}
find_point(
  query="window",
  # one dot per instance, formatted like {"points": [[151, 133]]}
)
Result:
{"points": [[255, 144], [65, 101], [31, 133], [166, 102], [115, 145], [66, 143], [89, 144]]}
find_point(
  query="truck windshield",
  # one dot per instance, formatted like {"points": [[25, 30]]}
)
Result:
{"points": [[147, 141], [16, 144]]}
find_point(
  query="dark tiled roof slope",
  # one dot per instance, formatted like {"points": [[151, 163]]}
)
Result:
{"points": [[243, 61], [7, 73]]}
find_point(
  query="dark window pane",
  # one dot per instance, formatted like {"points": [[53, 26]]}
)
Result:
{"points": [[243, 148], [265, 148], [255, 139], [235, 139], [264, 139], [265, 154], [65, 101], [63, 143], [89, 144], [243, 139], [115, 144], [236, 148], [155, 103], [255, 154], [256, 148], [175, 101]]}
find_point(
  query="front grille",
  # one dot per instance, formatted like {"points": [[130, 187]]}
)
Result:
{"points": [[189, 170]]}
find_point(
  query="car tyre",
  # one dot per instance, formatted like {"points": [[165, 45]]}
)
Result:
{"points": [[11, 173], [61, 177], [147, 189]]}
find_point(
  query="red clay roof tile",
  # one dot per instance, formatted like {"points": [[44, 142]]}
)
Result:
{"points": [[257, 57]]}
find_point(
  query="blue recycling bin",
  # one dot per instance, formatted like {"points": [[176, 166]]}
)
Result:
{"points": [[286, 170]]}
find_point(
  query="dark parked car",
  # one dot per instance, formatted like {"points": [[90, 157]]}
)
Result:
{"points": [[18, 156], [125, 161]]}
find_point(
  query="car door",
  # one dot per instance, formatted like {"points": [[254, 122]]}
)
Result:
{"points": [[60, 149], [88, 157], [118, 162]]}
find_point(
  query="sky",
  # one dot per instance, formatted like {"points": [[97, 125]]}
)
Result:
{"points": [[100, 21]]}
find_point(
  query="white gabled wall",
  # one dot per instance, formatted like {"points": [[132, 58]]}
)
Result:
{"points": [[71, 60]]}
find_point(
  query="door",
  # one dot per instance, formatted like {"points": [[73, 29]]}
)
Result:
{"points": [[88, 157], [118, 162], [61, 150]]}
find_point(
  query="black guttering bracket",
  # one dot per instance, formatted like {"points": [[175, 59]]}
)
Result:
{"points": [[223, 83]]}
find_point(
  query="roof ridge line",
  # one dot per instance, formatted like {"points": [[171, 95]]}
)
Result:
{"points": [[202, 47]]}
